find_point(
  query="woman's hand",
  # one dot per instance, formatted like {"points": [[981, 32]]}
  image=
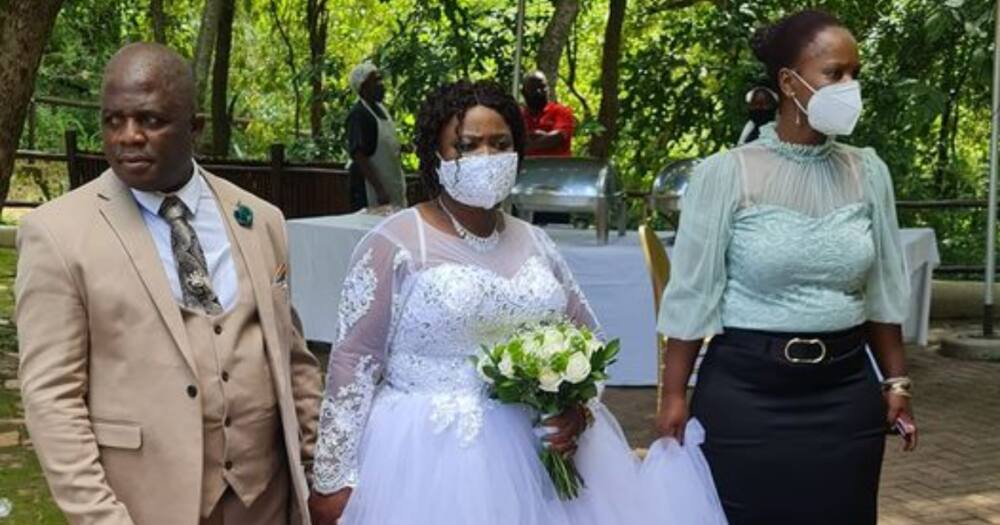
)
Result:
{"points": [[569, 425], [673, 417], [327, 509], [898, 408]]}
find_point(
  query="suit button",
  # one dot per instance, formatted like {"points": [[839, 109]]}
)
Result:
{"points": [[218, 329], [225, 376], [192, 391], [229, 465]]}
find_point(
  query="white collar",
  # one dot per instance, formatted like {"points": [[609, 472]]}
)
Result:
{"points": [[189, 194]]}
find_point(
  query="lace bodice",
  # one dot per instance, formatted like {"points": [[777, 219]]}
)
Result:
{"points": [[786, 237], [416, 306]]}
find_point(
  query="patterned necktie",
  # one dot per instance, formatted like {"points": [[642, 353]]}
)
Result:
{"points": [[192, 270]]}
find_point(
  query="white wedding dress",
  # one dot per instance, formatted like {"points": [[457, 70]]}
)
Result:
{"points": [[406, 420]]}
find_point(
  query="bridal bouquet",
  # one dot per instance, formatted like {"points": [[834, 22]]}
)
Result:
{"points": [[549, 367]]}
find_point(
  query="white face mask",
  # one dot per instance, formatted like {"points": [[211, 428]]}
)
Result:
{"points": [[833, 109], [481, 181]]}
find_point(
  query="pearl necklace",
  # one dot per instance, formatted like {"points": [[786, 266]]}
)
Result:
{"points": [[477, 243]]}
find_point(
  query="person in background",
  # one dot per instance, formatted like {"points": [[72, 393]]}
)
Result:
{"points": [[549, 128], [762, 105], [371, 141], [549, 125]]}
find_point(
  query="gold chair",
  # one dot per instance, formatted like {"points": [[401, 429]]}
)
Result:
{"points": [[658, 264]]}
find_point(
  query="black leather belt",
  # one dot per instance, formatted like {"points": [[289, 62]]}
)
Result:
{"points": [[803, 349]]}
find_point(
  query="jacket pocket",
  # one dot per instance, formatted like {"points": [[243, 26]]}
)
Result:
{"points": [[282, 310], [117, 435]]}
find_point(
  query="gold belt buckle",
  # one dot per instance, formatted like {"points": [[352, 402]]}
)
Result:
{"points": [[812, 360]]}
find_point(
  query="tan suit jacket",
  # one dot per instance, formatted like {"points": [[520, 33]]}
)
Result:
{"points": [[107, 369]]}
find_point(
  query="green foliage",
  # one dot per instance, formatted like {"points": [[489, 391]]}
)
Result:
{"points": [[21, 479], [927, 78], [22, 482]]}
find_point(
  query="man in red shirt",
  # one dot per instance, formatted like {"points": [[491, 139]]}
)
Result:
{"points": [[549, 125]]}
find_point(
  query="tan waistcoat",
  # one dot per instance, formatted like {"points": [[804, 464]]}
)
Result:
{"points": [[242, 429]]}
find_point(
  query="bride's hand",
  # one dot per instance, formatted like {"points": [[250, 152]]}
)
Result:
{"points": [[569, 425], [327, 509]]}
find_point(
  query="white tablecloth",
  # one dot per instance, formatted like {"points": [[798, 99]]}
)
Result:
{"points": [[614, 278]]}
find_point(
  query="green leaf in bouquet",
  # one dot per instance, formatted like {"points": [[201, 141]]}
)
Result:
{"points": [[612, 349], [560, 361], [492, 372], [532, 366], [516, 349], [551, 406], [597, 360]]}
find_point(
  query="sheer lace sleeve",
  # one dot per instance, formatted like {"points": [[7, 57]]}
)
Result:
{"points": [[578, 310], [691, 305], [366, 315], [887, 292]]}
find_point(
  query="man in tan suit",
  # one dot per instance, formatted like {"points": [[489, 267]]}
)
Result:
{"points": [[164, 379]]}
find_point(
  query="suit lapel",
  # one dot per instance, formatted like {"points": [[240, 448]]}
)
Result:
{"points": [[248, 246], [119, 208]]}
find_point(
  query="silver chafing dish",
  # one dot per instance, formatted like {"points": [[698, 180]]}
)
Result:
{"points": [[670, 184], [569, 185]]}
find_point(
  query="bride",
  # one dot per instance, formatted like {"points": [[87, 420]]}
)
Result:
{"points": [[408, 434]]}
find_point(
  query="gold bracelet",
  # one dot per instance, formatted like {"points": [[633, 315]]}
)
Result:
{"points": [[900, 386]]}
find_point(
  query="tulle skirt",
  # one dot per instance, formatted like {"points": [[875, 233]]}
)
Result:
{"points": [[678, 479], [419, 469]]}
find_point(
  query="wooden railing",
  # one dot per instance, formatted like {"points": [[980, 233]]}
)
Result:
{"points": [[299, 190]]}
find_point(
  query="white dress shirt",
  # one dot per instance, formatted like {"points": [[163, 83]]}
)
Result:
{"points": [[210, 228]]}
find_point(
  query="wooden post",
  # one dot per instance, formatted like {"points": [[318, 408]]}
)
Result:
{"points": [[275, 180], [75, 177]]}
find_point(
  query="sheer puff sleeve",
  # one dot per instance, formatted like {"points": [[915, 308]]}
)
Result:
{"points": [[887, 291], [691, 305]]}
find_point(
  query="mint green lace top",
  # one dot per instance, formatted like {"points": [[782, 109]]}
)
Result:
{"points": [[787, 238]]}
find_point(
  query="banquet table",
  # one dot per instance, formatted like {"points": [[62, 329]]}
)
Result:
{"points": [[613, 277]]}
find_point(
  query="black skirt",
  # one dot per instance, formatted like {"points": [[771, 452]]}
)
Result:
{"points": [[794, 434]]}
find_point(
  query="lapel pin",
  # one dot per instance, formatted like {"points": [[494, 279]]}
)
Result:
{"points": [[243, 215]]}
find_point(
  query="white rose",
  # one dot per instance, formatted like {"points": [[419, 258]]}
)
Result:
{"points": [[531, 346], [554, 344], [554, 337], [506, 366], [549, 351], [549, 380], [481, 368], [577, 369]]}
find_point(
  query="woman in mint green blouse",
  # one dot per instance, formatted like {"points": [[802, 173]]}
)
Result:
{"points": [[788, 257]]}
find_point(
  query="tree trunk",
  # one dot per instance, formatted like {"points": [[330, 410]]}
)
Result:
{"points": [[221, 117], [207, 36], [25, 26], [317, 18], [607, 116], [290, 60], [554, 40], [159, 20]]}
